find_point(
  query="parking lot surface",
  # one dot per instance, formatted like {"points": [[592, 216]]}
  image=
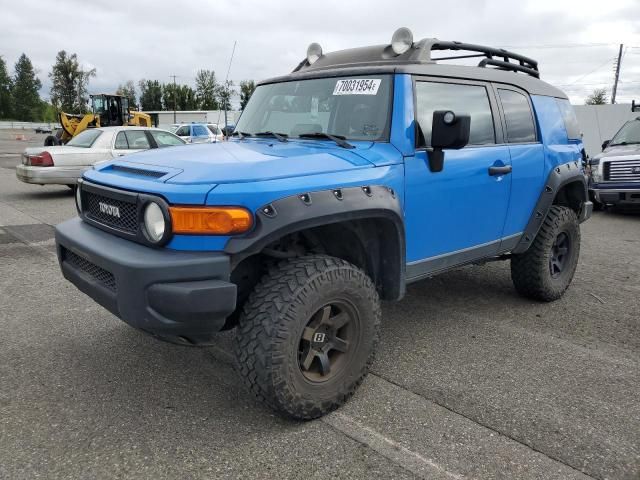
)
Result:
{"points": [[470, 381]]}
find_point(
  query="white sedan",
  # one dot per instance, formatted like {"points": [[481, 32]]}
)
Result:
{"points": [[64, 164]]}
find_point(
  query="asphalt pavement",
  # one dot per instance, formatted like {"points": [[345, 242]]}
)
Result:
{"points": [[470, 381]]}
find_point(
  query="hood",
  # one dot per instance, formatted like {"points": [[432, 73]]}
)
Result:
{"points": [[619, 151], [246, 161]]}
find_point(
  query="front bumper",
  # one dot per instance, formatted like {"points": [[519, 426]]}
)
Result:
{"points": [[616, 194], [49, 175], [164, 292]]}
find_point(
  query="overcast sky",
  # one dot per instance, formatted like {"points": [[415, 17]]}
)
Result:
{"points": [[575, 41]]}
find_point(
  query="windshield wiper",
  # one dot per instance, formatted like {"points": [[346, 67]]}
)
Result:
{"points": [[624, 143], [240, 135], [281, 137], [339, 139]]}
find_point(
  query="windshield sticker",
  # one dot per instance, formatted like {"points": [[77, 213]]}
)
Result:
{"points": [[357, 86]]}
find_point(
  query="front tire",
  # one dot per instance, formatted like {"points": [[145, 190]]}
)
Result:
{"points": [[307, 335], [545, 270]]}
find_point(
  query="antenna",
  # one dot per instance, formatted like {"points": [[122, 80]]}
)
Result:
{"points": [[226, 87]]}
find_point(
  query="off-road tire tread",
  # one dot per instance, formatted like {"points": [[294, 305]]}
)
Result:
{"points": [[530, 270], [262, 326]]}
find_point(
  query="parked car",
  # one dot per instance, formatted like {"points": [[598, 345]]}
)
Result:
{"points": [[358, 173], [218, 134], [64, 164], [195, 133], [615, 173], [43, 129]]}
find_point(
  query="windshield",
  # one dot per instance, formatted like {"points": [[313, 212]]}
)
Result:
{"points": [[628, 134], [357, 108], [85, 139]]}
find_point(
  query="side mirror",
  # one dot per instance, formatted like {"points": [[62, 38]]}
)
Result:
{"points": [[605, 144], [448, 131]]}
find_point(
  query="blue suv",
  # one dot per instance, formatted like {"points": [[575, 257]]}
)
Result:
{"points": [[358, 173]]}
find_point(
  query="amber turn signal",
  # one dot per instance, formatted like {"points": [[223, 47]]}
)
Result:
{"points": [[210, 220]]}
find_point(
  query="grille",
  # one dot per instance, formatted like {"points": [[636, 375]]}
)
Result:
{"points": [[622, 171], [139, 171], [123, 214], [103, 276]]}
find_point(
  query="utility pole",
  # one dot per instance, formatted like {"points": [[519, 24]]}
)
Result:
{"points": [[615, 81], [174, 97]]}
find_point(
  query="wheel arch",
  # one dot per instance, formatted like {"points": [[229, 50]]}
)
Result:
{"points": [[363, 225], [566, 185]]}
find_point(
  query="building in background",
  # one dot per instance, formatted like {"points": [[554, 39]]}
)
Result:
{"points": [[164, 119], [600, 122]]}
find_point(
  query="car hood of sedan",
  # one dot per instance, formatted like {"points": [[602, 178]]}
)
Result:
{"points": [[244, 161]]}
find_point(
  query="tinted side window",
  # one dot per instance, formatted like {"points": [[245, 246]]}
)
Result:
{"points": [[520, 126], [469, 99], [183, 131], [570, 120], [121, 141], [137, 139], [200, 131]]}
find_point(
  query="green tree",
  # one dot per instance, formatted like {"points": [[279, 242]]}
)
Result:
{"points": [[5, 91], [246, 90], [69, 83], [225, 94], [26, 100], [128, 90], [48, 112], [183, 95], [150, 95], [206, 88], [597, 97]]}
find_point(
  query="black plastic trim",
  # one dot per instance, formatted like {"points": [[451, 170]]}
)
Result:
{"points": [[559, 177], [163, 291], [326, 207]]}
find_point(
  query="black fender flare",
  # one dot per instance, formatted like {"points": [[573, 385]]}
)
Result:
{"points": [[325, 207], [559, 177]]}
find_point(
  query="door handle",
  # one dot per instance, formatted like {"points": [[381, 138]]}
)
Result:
{"points": [[493, 171]]}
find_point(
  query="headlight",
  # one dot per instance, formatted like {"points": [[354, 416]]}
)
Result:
{"points": [[78, 198], [402, 40], [314, 52], [154, 222]]}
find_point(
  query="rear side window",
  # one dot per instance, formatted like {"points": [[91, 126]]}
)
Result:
{"points": [[200, 131], [137, 139], [517, 113], [183, 131], [469, 99], [570, 120], [121, 141], [165, 139]]}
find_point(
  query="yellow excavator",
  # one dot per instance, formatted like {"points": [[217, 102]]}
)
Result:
{"points": [[106, 111]]}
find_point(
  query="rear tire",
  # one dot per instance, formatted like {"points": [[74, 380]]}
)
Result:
{"points": [[307, 335], [546, 269], [51, 141]]}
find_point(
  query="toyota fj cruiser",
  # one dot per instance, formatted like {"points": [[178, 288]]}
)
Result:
{"points": [[358, 173]]}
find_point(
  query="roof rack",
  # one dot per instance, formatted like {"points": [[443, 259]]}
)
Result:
{"points": [[503, 61], [403, 50]]}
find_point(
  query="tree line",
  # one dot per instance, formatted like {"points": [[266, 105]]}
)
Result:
{"points": [[20, 99]]}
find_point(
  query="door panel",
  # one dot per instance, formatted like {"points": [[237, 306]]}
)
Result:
{"points": [[459, 208]]}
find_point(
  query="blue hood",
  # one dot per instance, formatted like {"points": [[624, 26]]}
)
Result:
{"points": [[243, 161]]}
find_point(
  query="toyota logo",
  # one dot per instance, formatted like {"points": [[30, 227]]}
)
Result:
{"points": [[635, 170]]}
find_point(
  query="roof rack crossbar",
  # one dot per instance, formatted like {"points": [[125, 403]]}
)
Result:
{"points": [[509, 60]]}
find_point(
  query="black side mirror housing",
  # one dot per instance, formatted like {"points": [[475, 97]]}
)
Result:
{"points": [[605, 144], [449, 130]]}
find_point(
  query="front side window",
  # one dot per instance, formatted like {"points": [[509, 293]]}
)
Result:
{"points": [[137, 139], [86, 138], [517, 113], [183, 131], [629, 134], [357, 108], [166, 139], [472, 100]]}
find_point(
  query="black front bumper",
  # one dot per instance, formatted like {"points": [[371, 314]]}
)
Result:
{"points": [[163, 292]]}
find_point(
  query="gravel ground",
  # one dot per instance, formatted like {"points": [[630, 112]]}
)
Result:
{"points": [[471, 381]]}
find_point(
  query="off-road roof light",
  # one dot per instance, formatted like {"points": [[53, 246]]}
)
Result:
{"points": [[402, 40], [314, 52]]}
